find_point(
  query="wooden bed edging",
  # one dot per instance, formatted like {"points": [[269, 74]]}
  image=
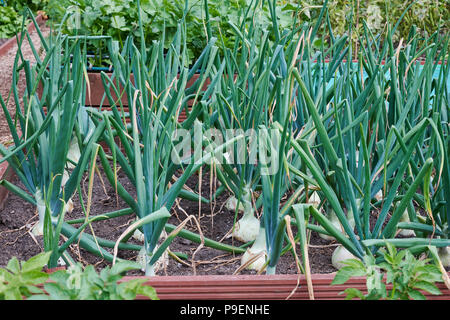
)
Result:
{"points": [[257, 287]]}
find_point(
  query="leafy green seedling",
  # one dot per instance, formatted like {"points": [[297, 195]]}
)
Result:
{"points": [[78, 284], [20, 279], [25, 279], [402, 269]]}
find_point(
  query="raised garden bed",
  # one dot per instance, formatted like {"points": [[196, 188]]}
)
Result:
{"points": [[359, 156]]}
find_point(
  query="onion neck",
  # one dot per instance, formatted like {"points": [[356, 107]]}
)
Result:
{"points": [[271, 270], [145, 256], [149, 270], [247, 202], [38, 229]]}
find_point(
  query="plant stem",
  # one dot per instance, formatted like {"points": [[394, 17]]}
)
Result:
{"points": [[271, 270]]}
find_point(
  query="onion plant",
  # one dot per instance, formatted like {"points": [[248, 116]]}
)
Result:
{"points": [[46, 123], [376, 131], [149, 156], [43, 129], [246, 99], [241, 104], [273, 222]]}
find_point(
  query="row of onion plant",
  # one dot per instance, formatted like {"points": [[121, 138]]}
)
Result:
{"points": [[338, 133], [376, 143], [49, 128]]}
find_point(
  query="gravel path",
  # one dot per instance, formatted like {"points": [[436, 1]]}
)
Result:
{"points": [[6, 66]]}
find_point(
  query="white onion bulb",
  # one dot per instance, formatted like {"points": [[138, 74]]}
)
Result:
{"points": [[258, 247], [341, 254]]}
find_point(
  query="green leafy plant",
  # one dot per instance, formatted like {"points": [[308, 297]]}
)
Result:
{"points": [[20, 279], [43, 128], [254, 92], [27, 280], [365, 136], [426, 16], [156, 97], [119, 19], [406, 273], [364, 141], [77, 283], [21, 5], [10, 22]]}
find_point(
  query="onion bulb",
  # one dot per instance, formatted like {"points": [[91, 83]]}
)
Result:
{"points": [[314, 200], [379, 195], [247, 228], [258, 247], [341, 254], [444, 255], [232, 203], [38, 229], [161, 263], [336, 223], [138, 235]]}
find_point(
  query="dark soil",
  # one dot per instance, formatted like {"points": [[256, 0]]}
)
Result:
{"points": [[18, 216]]}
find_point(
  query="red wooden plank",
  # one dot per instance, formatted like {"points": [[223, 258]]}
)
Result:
{"points": [[257, 287]]}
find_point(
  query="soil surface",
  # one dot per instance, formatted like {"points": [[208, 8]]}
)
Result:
{"points": [[17, 218]]}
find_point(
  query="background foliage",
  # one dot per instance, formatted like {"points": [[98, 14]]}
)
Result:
{"points": [[119, 18], [10, 22], [427, 15]]}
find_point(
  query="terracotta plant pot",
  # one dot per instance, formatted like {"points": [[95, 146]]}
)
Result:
{"points": [[95, 92]]}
